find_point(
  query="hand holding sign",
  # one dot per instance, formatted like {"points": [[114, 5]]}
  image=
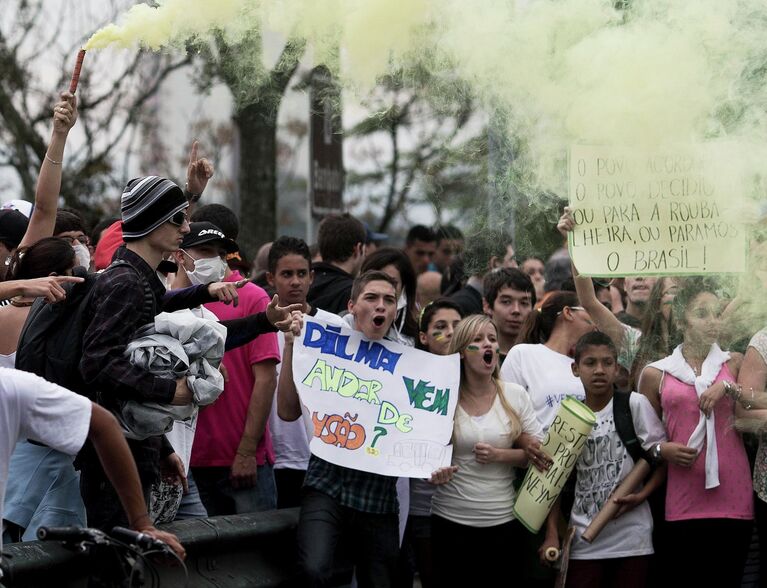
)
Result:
{"points": [[376, 405]]}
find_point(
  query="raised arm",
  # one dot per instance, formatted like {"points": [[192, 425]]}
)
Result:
{"points": [[43, 217], [288, 403], [198, 172], [602, 316]]}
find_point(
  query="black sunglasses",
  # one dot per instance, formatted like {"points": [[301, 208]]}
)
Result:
{"points": [[179, 218]]}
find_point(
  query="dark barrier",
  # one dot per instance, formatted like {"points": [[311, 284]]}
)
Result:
{"points": [[224, 552]]}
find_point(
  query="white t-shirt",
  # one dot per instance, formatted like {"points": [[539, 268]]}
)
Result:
{"points": [[545, 374], [33, 408], [482, 495], [8, 361], [181, 436], [289, 438], [601, 467]]}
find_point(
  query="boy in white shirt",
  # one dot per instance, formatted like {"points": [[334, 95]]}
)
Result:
{"points": [[620, 555], [33, 408]]}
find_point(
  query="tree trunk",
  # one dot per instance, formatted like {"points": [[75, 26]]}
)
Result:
{"points": [[257, 128]]}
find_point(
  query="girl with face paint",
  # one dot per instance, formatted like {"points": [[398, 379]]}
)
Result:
{"points": [[437, 325], [475, 536]]}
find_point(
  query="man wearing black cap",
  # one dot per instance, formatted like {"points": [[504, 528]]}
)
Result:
{"points": [[13, 225], [126, 296], [232, 456]]}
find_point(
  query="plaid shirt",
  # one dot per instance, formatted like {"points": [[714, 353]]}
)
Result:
{"points": [[117, 309], [354, 489]]}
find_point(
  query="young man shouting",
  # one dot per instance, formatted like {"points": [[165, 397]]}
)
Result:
{"points": [[340, 501]]}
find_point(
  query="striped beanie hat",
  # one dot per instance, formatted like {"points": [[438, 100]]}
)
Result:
{"points": [[147, 203]]}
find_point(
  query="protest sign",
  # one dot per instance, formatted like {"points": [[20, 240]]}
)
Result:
{"points": [[375, 406], [564, 442], [663, 213]]}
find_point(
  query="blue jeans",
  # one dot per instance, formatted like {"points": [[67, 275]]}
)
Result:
{"points": [[221, 498], [191, 506], [372, 541], [43, 490]]}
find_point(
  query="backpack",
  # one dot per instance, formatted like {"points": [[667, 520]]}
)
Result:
{"points": [[624, 425], [51, 341]]}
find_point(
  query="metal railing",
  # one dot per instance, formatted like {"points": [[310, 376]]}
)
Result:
{"points": [[256, 549]]}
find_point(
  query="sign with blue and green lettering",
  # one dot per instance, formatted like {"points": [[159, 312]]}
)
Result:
{"points": [[376, 406]]}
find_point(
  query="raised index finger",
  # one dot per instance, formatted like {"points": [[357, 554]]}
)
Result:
{"points": [[193, 152]]}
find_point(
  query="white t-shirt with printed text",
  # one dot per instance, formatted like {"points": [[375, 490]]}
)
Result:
{"points": [[546, 375], [601, 467]]}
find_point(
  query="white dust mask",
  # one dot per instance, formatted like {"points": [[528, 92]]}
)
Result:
{"points": [[207, 270], [82, 255]]}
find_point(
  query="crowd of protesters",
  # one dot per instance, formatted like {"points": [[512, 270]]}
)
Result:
{"points": [[529, 332]]}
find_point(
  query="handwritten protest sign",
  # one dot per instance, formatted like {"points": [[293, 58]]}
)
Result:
{"points": [[375, 406], [655, 213], [564, 442]]}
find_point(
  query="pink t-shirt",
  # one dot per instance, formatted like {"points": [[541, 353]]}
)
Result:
{"points": [[686, 494], [220, 426]]}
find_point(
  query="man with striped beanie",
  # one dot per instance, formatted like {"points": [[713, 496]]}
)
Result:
{"points": [[127, 295], [147, 203]]}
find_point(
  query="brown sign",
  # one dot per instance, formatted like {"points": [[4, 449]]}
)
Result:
{"points": [[326, 173]]}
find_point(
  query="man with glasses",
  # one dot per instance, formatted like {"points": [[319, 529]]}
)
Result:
{"points": [[126, 296]]}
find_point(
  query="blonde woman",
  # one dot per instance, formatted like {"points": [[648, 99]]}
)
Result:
{"points": [[474, 532]]}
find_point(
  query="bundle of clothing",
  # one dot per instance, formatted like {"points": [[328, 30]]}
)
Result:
{"points": [[177, 345]]}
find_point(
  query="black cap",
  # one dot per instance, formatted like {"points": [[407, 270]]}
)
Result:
{"points": [[204, 232], [13, 225]]}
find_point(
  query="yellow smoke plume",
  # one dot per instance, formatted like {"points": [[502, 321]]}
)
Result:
{"points": [[169, 22], [565, 71]]}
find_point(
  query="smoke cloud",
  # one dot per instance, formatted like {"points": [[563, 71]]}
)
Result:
{"points": [[564, 71]]}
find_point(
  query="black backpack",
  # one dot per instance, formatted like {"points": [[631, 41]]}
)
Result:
{"points": [[51, 341], [624, 425]]}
